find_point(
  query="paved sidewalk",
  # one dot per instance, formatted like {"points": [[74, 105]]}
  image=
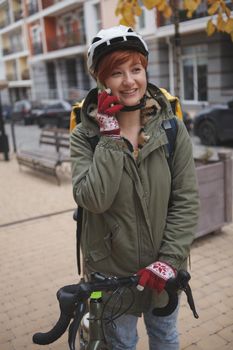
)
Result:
{"points": [[38, 257]]}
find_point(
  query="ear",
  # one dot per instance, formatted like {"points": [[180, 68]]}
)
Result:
{"points": [[100, 86]]}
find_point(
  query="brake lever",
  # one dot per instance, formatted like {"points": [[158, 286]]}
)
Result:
{"points": [[188, 292], [74, 326]]}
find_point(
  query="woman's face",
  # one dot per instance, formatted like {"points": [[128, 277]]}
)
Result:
{"points": [[128, 82]]}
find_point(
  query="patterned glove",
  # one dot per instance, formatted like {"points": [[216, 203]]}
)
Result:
{"points": [[108, 106], [155, 276]]}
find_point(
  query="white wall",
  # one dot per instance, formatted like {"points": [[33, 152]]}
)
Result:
{"points": [[90, 20], [108, 13]]}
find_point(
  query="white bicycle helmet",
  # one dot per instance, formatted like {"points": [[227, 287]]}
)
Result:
{"points": [[112, 39]]}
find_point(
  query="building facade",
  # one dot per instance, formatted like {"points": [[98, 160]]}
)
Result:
{"points": [[205, 63], [44, 46]]}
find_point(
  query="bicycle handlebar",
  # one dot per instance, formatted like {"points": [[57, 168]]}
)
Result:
{"points": [[72, 301]]}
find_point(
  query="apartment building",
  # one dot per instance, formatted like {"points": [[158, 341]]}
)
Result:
{"points": [[44, 46], [14, 48]]}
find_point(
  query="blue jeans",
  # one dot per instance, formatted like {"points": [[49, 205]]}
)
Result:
{"points": [[162, 332]]}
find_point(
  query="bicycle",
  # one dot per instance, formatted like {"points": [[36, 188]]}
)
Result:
{"points": [[73, 305]]}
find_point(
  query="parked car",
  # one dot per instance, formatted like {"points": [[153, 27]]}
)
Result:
{"points": [[53, 113], [214, 124], [22, 112], [188, 121]]}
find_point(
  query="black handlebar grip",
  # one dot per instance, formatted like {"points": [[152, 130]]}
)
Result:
{"points": [[55, 333], [169, 308], [180, 282]]}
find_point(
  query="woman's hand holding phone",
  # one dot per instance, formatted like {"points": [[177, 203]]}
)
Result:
{"points": [[108, 106]]}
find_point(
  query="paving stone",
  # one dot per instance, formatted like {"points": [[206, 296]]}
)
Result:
{"points": [[213, 342]]}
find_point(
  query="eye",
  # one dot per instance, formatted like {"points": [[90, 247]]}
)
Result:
{"points": [[137, 69], [116, 73]]}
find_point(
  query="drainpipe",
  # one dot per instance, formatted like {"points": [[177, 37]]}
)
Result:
{"points": [[170, 66]]}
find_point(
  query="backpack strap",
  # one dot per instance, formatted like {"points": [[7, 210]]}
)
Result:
{"points": [[170, 127], [78, 213]]}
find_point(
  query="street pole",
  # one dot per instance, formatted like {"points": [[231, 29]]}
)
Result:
{"points": [[4, 145], [177, 44]]}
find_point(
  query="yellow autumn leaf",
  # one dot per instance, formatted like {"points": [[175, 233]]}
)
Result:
{"points": [[220, 23], [190, 5], [125, 23], [162, 6], [210, 28], [213, 8], [150, 4], [117, 12], [228, 28], [167, 12], [137, 10], [189, 14], [119, 8], [225, 9]]}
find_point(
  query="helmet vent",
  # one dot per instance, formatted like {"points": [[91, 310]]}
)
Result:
{"points": [[117, 40], [96, 39]]}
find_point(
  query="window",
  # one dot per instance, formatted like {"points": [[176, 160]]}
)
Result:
{"points": [[71, 73], [51, 74], [194, 75]]}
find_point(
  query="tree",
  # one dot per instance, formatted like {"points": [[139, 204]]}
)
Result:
{"points": [[220, 20]]}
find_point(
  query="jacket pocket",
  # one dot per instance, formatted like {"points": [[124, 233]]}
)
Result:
{"points": [[102, 248]]}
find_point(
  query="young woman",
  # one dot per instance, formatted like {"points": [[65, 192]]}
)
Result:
{"points": [[139, 213]]}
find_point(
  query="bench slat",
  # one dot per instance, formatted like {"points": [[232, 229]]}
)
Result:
{"points": [[42, 161]]}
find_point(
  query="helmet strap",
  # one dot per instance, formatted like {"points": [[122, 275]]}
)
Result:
{"points": [[140, 105]]}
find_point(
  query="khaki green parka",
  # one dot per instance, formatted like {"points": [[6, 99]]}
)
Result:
{"points": [[128, 221]]}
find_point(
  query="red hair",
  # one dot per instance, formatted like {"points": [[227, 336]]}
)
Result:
{"points": [[115, 59]]}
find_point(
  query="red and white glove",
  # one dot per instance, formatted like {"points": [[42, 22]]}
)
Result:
{"points": [[108, 106], [155, 276]]}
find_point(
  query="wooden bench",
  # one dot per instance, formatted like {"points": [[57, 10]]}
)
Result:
{"points": [[43, 160]]}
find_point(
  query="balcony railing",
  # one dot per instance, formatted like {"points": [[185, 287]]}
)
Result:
{"points": [[67, 40], [37, 48], [10, 50]]}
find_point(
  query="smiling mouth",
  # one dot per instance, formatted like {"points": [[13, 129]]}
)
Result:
{"points": [[129, 92]]}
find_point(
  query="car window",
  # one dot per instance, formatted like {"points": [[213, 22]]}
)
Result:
{"points": [[21, 105], [55, 106]]}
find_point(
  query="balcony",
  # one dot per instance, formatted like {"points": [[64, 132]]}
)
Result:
{"points": [[37, 48], [66, 40], [11, 50]]}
